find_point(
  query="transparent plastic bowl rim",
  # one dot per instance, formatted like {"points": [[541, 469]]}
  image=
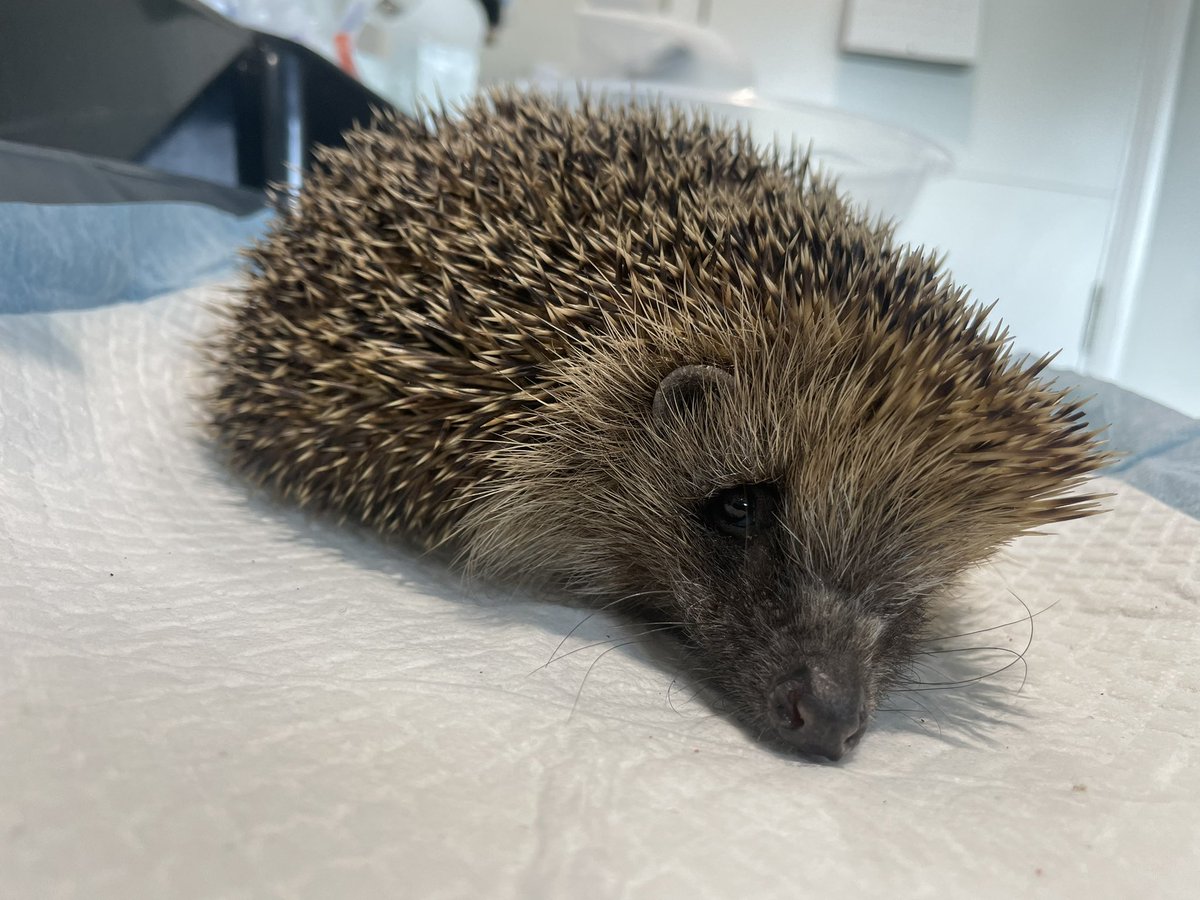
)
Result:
{"points": [[931, 158]]}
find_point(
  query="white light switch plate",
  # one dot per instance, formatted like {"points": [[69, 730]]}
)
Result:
{"points": [[940, 31]]}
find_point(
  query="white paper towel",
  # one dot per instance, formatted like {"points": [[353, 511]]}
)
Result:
{"points": [[203, 695]]}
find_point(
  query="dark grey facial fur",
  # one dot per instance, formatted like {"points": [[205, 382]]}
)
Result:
{"points": [[803, 654], [802, 659]]}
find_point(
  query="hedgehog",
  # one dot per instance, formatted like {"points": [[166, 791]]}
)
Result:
{"points": [[628, 353]]}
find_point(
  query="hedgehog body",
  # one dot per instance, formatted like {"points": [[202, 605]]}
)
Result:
{"points": [[626, 351]]}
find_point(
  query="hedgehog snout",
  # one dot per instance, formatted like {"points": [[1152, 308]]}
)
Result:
{"points": [[820, 708]]}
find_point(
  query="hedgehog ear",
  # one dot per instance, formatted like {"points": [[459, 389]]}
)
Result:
{"points": [[687, 389]]}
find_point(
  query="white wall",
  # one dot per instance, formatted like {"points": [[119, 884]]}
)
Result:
{"points": [[1162, 352], [1041, 127], [536, 32]]}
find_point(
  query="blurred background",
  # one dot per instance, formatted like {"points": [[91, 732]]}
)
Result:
{"points": [[1051, 148]]}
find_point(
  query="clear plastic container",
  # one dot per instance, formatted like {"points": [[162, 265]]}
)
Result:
{"points": [[421, 50], [879, 166]]}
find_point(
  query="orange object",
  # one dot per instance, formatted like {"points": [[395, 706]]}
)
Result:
{"points": [[344, 45]]}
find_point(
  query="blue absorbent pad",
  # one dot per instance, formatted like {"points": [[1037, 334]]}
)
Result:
{"points": [[78, 257]]}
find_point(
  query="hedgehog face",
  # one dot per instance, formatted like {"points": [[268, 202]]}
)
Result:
{"points": [[794, 504], [723, 506], [801, 647], [801, 658]]}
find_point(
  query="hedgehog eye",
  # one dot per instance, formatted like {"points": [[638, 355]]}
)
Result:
{"points": [[742, 511]]}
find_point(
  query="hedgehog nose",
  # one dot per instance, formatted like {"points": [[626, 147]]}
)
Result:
{"points": [[819, 710]]}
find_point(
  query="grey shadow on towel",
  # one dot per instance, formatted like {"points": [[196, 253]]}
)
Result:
{"points": [[963, 715]]}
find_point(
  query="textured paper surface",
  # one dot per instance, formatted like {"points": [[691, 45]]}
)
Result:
{"points": [[204, 695]]}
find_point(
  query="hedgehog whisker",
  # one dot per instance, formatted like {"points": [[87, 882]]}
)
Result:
{"points": [[642, 634], [918, 686], [980, 648], [670, 702], [917, 662], [567, 637], [587, 674], [1017, 657], [581, 622], [697, 690], [947, 637]]}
